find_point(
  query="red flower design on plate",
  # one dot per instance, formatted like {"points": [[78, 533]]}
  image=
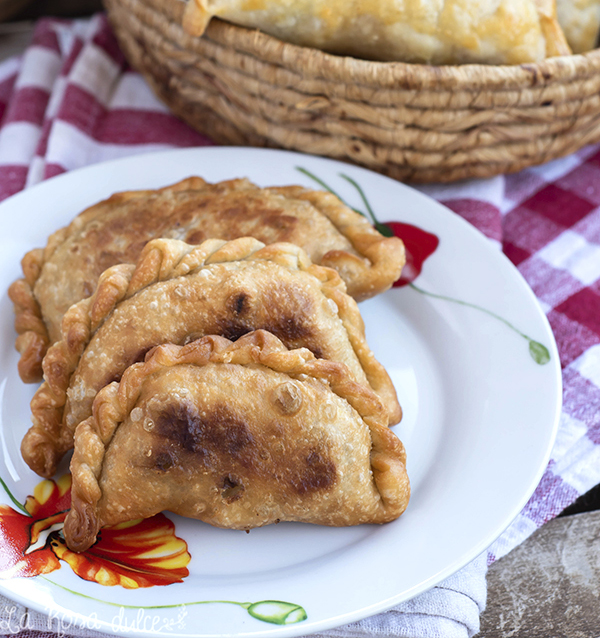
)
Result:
{"points": [[140, 553], [419, 245]]}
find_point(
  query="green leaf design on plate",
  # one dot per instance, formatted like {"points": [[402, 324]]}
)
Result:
{"points": [[539, 353], [277, 612], [384, 229]]}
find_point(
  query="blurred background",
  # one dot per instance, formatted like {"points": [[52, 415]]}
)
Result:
{"points": [[31, 9], [17, 17]]}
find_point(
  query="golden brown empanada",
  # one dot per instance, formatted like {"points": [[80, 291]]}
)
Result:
{"points": [[178, 293], [238, 435], [580, 20], [425, 31], [116, 230]]}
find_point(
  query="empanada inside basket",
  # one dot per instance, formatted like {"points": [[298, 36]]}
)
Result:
{"points": [[423, 31]]}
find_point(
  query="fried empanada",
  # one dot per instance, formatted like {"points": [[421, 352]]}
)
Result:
{"points": [[580, 20], [115, 231], [178, 293], [424, 31], [238, 435]]}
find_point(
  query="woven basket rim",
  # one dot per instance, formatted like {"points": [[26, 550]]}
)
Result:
{"points": [[313, 63], [413, 122]]}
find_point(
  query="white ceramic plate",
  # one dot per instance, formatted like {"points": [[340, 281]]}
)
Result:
{"points": [[480, 417]]}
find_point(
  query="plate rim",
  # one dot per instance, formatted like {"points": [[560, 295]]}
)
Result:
{"points": [[453, 567]]}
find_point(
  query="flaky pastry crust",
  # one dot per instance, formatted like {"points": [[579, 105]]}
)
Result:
{"points": [[116, 230], [416, 31], [311, 446], [385, 256], [178, 292]]}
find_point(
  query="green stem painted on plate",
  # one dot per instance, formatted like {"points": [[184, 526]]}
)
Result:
{"points": [[385, 230], [13, 499], [321, 183], [539, 353], [276, 612]]}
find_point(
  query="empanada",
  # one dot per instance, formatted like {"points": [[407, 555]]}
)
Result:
{"points": [[580, 20], [238, 435], [178, 293], [116, 230], [425, 31]]}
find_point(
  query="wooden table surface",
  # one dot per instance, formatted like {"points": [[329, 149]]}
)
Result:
{"points": [[549, 586]]}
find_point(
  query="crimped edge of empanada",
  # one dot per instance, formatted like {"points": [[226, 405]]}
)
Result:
{"points": [[377, 267], [49, 438], [382, 257], [115, 401], [33, 338]]}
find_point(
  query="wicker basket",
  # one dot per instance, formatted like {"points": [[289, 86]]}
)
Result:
{"points": [[415, 123]]}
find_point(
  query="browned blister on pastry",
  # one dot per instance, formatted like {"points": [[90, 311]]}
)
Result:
{"points": [[177, 293], [115, 231], [238, 435]]}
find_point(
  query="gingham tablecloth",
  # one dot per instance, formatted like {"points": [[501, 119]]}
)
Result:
{"points": [[71, 101]]}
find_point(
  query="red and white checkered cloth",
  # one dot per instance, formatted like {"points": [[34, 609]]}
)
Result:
{"points": [[71, 101]]}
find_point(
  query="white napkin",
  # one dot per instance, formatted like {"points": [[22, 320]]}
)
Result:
{"points": [[450, 610]]}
